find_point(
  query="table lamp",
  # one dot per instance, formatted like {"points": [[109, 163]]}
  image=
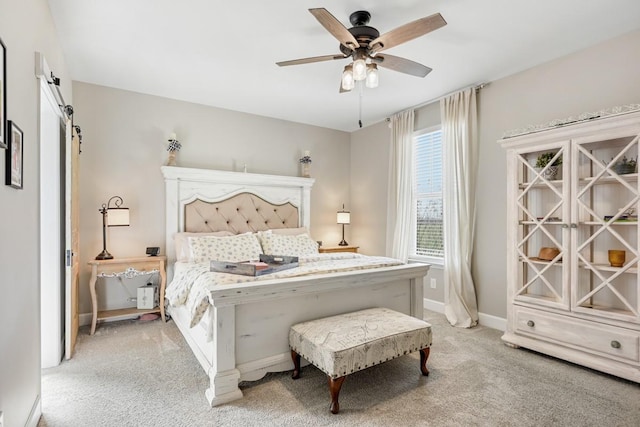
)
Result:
{"points": [[113, 217], [344, 218]]}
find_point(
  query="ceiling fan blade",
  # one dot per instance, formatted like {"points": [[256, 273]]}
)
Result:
{"points": [[401, 65], [335, 27], [407, 32], [310, 60]]}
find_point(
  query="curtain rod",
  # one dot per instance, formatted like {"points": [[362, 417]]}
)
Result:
{"points": [[477, 87]]}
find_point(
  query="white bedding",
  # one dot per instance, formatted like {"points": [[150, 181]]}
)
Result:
{"points": [[192, 282]]}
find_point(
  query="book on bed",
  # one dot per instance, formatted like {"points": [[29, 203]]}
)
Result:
{"points": [[266, 265]]}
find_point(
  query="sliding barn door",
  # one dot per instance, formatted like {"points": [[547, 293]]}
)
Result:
{"points": [[72, 240]]}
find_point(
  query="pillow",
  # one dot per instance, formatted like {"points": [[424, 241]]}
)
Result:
{"points": [[242, 247], [183, 254], [284, 231], [282, 244], [290, 231]]}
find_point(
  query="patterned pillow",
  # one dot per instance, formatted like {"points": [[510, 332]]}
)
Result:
{"points": [[282, 244], [290, 231], [182, 244], [243, 247]]}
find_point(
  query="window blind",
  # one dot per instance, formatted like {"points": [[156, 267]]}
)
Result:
{"points": [[428, 186]]}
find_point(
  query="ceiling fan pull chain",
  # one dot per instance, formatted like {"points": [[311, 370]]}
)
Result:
{"points": [[360, 107]]}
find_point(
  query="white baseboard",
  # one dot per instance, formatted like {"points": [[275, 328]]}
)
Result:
{"points": [[433, 305], [487, 320], [85, 319], [493, 322]]}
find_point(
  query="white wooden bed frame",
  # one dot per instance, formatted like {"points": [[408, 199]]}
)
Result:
{"points": [[244, 334]]}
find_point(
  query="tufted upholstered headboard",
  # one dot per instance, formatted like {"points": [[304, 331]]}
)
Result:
{"points": [[242, 213], [209, 200]]}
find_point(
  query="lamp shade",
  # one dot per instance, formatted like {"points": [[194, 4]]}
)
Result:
{"points": [[372, 76], [343, 217], [347, 78], [117, 217], [359, 69]]}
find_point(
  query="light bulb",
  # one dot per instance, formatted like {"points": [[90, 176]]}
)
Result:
{"points": [[359, 69], [372, 76], [347, 78]]}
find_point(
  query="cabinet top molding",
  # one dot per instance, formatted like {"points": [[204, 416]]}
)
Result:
{"points": [[613, 123], [581, 118]]}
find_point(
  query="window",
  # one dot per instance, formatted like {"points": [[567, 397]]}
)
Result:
{"points": [[429, 238]]}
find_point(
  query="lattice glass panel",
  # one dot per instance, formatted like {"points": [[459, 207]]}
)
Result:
{"points": [[606, 204], [542, 280], [541, 209]]}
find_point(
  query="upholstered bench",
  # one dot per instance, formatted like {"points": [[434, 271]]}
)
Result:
{"points": [[347, 343]]}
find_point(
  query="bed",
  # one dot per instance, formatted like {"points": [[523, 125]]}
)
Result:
{"points": [[243, 334]]}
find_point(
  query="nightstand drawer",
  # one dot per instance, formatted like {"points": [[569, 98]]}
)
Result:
{"points": [[590, 336], [328, 250]]}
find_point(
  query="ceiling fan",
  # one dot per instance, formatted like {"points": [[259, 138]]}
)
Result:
{"points": [[363, 44]]}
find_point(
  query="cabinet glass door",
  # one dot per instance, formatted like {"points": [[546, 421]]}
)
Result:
{"points": [[606, 201], [542, 212]]}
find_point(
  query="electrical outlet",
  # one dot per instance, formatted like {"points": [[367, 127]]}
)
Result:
{"points": [[433, 283]]}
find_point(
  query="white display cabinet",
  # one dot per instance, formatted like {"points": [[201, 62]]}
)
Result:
{"points": [[565, 298]]}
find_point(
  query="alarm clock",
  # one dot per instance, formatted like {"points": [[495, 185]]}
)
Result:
{"points": [[153, 251]]}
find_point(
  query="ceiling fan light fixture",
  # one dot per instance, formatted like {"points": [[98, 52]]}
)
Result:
{"points": [[348, 81], [359, 69], [372, 76], [362, 44]]}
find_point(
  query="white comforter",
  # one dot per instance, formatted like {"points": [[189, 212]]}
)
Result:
{"points": [[192, 283]]}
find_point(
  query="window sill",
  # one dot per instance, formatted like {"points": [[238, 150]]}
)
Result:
{"points": [[434, 262]]}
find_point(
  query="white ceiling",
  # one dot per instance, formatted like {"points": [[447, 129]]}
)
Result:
{"points": [[223, 53]]}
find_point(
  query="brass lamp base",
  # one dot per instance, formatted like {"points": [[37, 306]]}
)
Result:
{"points": [[343, 242], [104, 255]]}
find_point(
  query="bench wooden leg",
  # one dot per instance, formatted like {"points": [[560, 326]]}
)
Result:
{"points": [[296, 365], [424, 355], [334, 389]]}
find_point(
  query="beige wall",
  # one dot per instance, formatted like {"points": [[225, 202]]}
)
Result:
{"points": [[370, 161], [124, 137], [25, 27], [602, 76]]}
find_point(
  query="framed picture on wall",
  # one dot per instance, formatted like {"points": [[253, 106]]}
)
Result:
{"points": [[14, 156], [3, 95]]}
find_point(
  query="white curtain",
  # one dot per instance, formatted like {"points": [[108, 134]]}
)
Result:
{"points": [[401, 185], [460, 149]]}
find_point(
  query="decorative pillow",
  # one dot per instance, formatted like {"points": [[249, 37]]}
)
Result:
{"points": [[282, 244], [183, 254], [243, 247], [285, 231], [290, 231]]}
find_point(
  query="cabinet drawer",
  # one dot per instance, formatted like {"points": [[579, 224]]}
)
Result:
{"points": [[593, 337]]}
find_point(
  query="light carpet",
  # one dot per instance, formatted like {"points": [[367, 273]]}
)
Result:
{"points": [[135, 373]]}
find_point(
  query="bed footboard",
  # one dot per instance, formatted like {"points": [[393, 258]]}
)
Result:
{"points": [[250, 325]]}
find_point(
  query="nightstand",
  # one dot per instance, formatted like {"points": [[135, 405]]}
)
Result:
{"points": [[125, 267], [333, 249]]}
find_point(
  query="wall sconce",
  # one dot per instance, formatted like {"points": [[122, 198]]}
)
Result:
{"points": [[344, 218], [113, 217]]}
